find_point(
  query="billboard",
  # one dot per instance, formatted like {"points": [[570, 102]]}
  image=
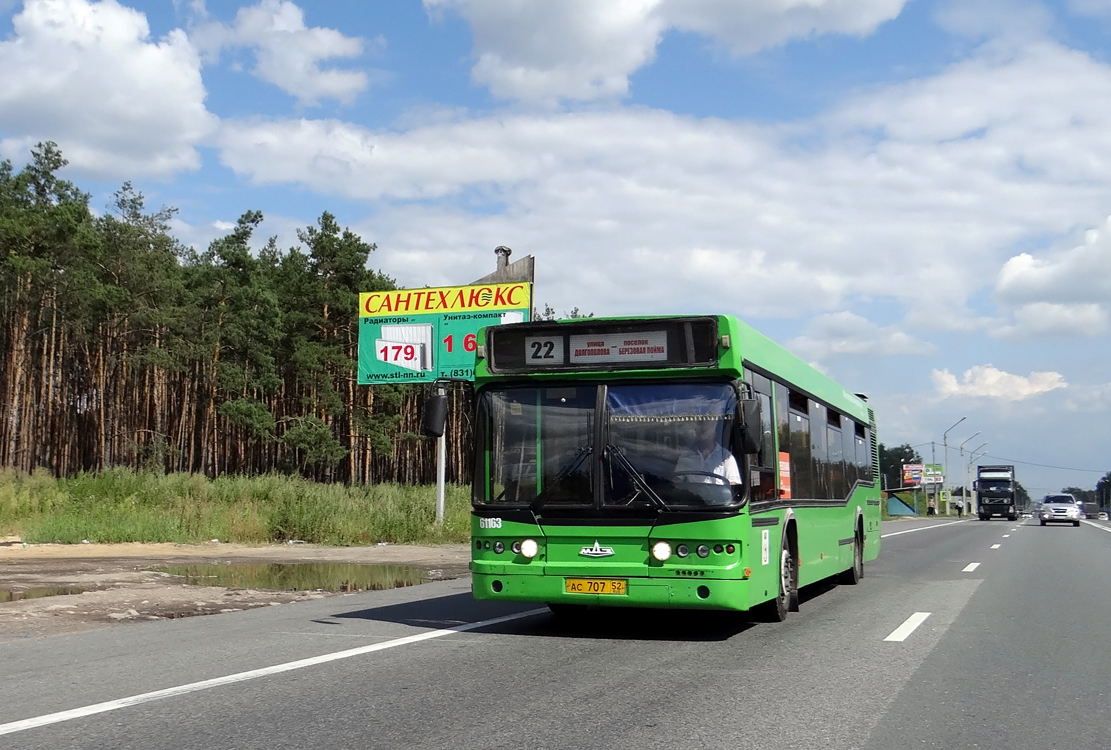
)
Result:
{"points": [[912, 474], [420, 335], [933, 474]]}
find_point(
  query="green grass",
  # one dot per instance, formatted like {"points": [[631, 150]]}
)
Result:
{"points": [[120, 505]]}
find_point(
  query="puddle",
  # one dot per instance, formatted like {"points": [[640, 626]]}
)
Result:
{"points": [[15, 596], [301, 576]]}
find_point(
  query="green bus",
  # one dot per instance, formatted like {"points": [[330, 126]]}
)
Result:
{"points": [[685, 462]]}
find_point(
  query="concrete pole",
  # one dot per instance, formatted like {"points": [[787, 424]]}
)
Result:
{"points": [[945, 440], [441, 469]]}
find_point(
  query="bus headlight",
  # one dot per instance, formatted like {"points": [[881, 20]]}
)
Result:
{"points": [[529, 548], [661, 551]]}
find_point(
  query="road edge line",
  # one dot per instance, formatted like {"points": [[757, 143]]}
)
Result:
{"points": [[193, 687]]}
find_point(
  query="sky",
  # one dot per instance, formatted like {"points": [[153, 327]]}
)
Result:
{"points": [[912, 195]]}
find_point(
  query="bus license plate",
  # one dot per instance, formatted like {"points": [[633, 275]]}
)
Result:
{"points": [[595, 586]]}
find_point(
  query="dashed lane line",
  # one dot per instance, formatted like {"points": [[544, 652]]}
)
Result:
{"points": [[902, 632], [970, 567], [996, 546]]}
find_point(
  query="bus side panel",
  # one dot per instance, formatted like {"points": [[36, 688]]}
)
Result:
{"points": [[871, 502], [820, 533], [763, 555]]}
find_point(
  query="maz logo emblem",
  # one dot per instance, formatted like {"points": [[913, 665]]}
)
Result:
{"points": [[596, 551]]}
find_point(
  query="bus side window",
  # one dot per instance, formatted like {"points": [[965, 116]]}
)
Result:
{"points": [[802, 485], [782, 440], [848, 441], [819, 451], [837, 487], [864, 454], [762, 466]]}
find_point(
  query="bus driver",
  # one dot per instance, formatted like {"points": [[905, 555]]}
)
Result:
{"points": [[709, 462]]}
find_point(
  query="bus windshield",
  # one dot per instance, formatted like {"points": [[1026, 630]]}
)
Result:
{"points": [[666, 446]]}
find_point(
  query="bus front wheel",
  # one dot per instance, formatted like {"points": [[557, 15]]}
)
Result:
{"points": [[787, 599]]}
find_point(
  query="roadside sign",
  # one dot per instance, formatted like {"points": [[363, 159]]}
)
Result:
{"points": [[933, 474], [419, 335], [912, 473]]}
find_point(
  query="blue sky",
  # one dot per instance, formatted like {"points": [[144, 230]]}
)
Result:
{"points": [[911, 194]]}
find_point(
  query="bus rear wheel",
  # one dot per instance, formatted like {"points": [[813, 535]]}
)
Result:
{"points": [[852, 576]]}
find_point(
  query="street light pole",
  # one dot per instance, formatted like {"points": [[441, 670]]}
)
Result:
{"points": [[967, 489], [945, 441], [972, 456]]}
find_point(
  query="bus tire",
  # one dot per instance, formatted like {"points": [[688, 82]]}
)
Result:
{"points": [[852, 576], [787, 599]]}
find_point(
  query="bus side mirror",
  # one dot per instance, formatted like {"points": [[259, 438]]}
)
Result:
{"points": [[748, 424], [435, 416]]}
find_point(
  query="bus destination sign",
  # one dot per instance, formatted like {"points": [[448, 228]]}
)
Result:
{"points": [[596, 348], [609, 345], [612, 348]]}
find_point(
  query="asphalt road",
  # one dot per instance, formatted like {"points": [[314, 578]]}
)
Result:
{"points": [[1007, 654]]}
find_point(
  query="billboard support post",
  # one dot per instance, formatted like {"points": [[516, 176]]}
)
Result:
{"points": [[441, 469]]}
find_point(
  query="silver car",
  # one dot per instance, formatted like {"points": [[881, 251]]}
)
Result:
{"points": [[1059, 509]]}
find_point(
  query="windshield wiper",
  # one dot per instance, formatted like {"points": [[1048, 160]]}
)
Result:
{"points": [[636, 476], [545, 494]]}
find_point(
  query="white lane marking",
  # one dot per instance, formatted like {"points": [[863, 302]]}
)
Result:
{"points": [[923, 528], [970, 567], [900, 633], [1096, 526], [996, 546], [1006, 535], [193, 687]]}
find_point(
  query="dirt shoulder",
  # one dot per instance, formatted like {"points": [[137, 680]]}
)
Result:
{"points": [[119, 587]]}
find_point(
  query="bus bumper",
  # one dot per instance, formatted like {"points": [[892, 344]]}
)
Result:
{"points": [[700, 593]]}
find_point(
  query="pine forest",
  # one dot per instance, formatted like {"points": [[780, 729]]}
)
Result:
{"points": [[121, 347]]}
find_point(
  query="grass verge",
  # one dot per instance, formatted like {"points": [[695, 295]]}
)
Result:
{"points": [[120, 505]]}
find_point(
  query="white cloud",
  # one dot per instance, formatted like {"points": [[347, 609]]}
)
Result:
{"points": [[87, 76], [1063, 294], [537, 50], [1098, 8], [287, 53], [914, 192], [1047, 320], [1003, 22], [848, 334], [573, 49], [751, 26], [1089, 398], [986, 381], [1079, 275]]}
